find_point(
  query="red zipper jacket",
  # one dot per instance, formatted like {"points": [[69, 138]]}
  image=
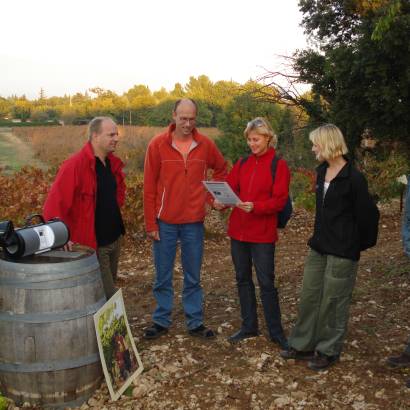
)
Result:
{"points": [[72, 196], [173, 189], [252, 182]]}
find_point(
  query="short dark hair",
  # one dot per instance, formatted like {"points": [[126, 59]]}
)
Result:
{"points": [[94, 126], [177, 102]]}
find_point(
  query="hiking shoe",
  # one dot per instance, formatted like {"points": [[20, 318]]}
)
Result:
{"points": [[155, 331], [292, 353], [281, 341], [203, 332], [322, 361], [399, 361], [241, 335]]}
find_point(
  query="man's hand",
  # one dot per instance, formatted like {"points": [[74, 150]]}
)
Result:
{"points": [[68, 247], [154, 235], [245, 206]]}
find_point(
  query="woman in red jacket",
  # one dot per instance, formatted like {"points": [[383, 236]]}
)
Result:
{"points": [[253, 229]]}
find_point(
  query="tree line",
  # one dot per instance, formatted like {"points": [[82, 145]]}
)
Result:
{"points": [[137, 106], [226, 105]]}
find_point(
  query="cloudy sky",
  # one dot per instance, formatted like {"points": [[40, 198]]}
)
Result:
{"points": [[70, 46]]}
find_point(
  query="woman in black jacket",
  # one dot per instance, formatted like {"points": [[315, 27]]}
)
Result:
{"points": [[346, 223]]}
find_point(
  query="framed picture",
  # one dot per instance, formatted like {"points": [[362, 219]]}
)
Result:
{"points": [[119, 357]]}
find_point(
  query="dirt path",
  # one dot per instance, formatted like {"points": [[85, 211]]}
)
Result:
{"points": [[183, 373], [15, 153]]}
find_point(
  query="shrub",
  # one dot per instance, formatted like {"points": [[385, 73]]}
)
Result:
{"points": [[24, 193], [302, 186], [306, 200], [382, 174]]}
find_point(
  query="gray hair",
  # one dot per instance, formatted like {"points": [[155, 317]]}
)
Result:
{"points": [[94, 126]]}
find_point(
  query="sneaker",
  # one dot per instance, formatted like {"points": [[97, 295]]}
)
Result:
{"points": [[155, 331], [399, 361], [322, 361], [203, 332], [281, 341], [292, 353], [241, 335]]}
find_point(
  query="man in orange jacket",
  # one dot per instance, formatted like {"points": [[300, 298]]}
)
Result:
{"points": [[176, 163], [87, 194]]}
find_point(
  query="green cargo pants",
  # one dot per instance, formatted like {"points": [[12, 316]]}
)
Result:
{"points": [[108, 257], [327, 287]]}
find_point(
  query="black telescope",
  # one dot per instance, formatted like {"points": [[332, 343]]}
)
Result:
{"points": [[32, 239]]}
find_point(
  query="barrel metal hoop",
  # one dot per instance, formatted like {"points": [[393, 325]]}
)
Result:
{"points": [[40, 278], [59, 283], [52, 317], [49, 366], [20, 269]]}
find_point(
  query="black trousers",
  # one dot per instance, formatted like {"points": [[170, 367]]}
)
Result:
{"points": [[262, 257]]}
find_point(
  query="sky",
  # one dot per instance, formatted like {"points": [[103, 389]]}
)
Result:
{"points": [[69, 46]]}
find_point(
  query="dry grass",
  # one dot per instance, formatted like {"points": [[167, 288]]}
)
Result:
{"points": [[52, 145]]}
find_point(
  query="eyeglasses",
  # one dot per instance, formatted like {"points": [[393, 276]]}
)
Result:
{"points": [[257, 122], [186, 119]]}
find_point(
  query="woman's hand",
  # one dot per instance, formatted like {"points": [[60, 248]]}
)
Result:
{"points": [[218, 205], [245, 206]]}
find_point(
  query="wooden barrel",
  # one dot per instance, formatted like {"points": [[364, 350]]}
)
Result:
{"points": [[48, 347]]}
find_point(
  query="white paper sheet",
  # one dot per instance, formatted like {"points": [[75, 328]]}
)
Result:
{"points": [[222, 192]]}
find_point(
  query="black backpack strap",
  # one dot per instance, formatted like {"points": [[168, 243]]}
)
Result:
{"points": [[274, 165], [242, 161]]}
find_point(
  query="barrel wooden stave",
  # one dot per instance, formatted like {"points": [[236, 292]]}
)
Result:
{"points": [[48, 348]]}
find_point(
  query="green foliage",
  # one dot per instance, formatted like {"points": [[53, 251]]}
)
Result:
{"points": [[137, 106], [232, 122], [382, 174], [110, 325], [385, 22], [301, 189], [358, 82], [299, 184], [306, 200], [4, 403], [5, 107], [21, 109], [161, 113]]}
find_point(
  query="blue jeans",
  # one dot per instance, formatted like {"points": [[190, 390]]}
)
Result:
{"points": [[191, 238], [262, 256], [405, 227]]}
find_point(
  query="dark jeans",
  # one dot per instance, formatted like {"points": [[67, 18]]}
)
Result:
{"points": [[405, 227], [407, 351], [262, 256]]}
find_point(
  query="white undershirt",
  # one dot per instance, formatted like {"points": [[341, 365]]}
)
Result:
{"points": [[325, 188]]}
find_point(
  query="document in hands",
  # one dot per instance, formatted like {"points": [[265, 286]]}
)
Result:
{"points": [[222, 192]]}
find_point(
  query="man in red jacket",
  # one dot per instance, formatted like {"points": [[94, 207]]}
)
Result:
{"points": [[176, 163], [87, 194]]}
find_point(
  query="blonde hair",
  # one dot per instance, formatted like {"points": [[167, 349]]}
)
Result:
{"points": [[261, 127], [330, 140]]}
